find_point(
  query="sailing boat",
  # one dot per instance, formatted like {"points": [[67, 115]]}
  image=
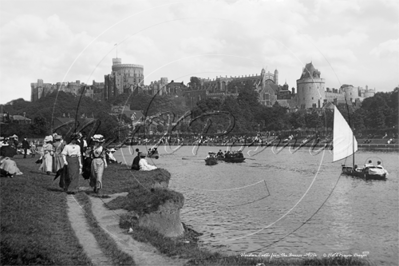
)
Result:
{"points": [[345, 145]]}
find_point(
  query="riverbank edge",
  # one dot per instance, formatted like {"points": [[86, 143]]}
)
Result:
{"points": [[186, 246]]}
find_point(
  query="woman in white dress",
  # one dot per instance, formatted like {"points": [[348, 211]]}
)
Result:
{"points": [[144, 166], [48, 151], [98, 163]]}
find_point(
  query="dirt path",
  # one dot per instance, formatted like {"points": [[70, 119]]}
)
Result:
{"points": [[86, 238], [142, 253]]}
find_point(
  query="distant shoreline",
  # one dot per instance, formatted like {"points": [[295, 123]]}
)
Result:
{"points": [[361, 146]]}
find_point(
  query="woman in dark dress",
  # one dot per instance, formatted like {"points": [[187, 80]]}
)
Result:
{"points": [[72, 159]]}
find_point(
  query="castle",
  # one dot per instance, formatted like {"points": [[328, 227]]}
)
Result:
{"points": [[129, 78]]}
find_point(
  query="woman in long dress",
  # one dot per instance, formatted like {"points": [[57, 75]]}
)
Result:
{"points": [[48, 151], [58, 161], [72, 158], [98, 163]]}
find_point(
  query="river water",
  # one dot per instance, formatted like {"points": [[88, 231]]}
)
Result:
{"points": [[284, 202]]}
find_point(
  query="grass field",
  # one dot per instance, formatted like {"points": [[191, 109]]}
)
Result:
{"points": [[35, 228]]}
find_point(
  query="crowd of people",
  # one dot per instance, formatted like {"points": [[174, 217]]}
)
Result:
{"points": [[67, 159]]}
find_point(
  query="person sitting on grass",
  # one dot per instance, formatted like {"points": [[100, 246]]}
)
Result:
{"points": [[144, 166], [136, 160], [9, 167]]}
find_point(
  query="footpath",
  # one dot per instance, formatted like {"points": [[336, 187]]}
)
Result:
{"points": [[108, 220]]}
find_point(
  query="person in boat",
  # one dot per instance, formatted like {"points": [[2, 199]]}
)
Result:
{"points": [[379, 165], [152, 151], [220, 154], [369, 164], [144, 166], [136, 160], [211, 154]]}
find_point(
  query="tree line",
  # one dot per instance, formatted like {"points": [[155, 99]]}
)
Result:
{"points": [[377, 115]]}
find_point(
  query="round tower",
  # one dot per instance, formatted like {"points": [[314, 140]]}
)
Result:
{"points": [[351, 93], [310, 88], [276, 77]]}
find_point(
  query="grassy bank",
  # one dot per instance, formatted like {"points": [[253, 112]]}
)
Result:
{"points": [[35, 228]]}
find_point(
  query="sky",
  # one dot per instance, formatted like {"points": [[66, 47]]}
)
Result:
{"points": [[349, 41]]}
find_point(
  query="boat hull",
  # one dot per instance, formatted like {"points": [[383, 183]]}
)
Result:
{"points": [[234, 160], [210, 161], [362, 173], [154, 155]]}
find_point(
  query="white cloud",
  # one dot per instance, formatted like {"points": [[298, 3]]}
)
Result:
{"points": [[388, 49], [42, 39]]}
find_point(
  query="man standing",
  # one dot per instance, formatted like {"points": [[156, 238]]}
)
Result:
{"points": [[25, 146]]}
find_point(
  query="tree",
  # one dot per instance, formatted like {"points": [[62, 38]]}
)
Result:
{"points": [[313, 120], [39, 126], [195, 83]]}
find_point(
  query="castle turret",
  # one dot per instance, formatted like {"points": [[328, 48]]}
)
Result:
{"points": [[310, 88], [276, 77]]}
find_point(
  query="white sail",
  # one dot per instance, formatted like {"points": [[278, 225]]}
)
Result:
{"points": [[344, 142]]}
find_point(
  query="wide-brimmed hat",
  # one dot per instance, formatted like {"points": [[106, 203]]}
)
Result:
{"points": [[14, 136], [112, 150], [48, 138], [143, 154], [98, 138]]}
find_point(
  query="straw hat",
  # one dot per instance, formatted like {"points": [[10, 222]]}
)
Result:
{"points": [[112, 150], [98, 138], [48, 138]]}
